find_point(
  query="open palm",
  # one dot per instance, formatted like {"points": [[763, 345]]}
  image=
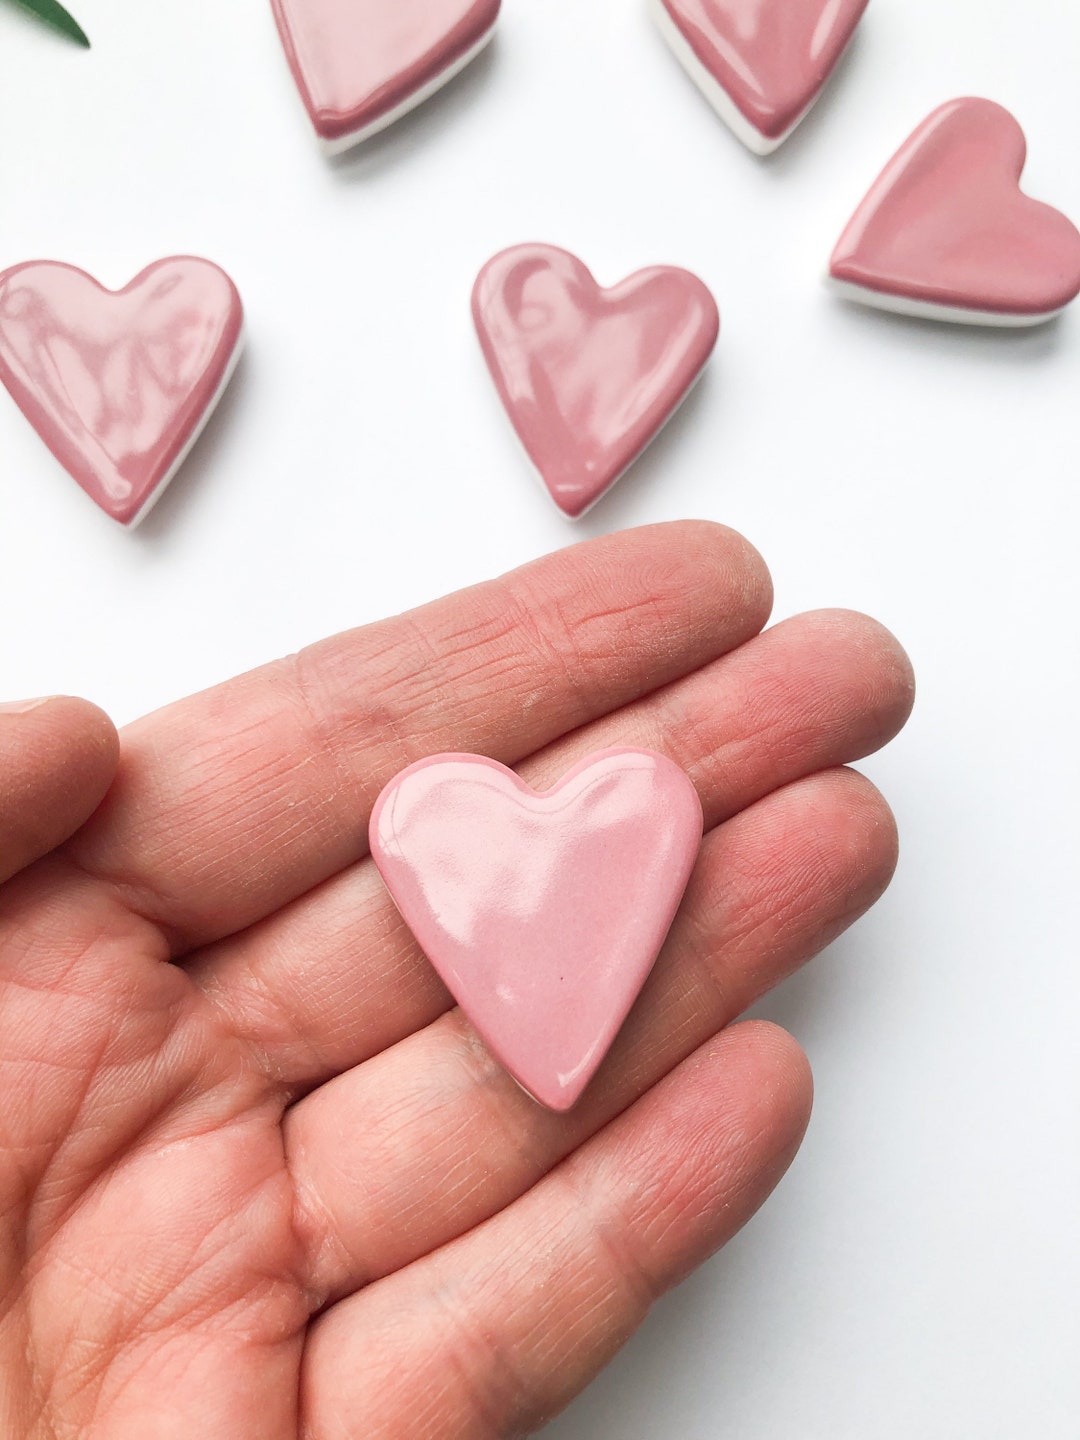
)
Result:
{"points": [[257, 1177]]}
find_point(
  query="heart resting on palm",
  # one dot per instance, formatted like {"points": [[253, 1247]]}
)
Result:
{"points": [[543, 913], [258, 1176]]}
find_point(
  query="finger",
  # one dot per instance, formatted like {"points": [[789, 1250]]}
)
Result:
{"points": [[337, 977], [57, 759], [772, 887], [822, 689], [495, 1333], [232, 803]]}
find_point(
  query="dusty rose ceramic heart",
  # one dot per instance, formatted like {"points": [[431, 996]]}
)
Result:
{"points": [[760, 63], [588, 376], [361, 64], [946, 232], [119, 383], [542, 912]]}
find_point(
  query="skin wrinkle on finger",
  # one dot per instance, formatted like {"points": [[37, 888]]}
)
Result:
{"points": [[837, 680], [675, 1176], [514, 609], [773, 886], [294, 755]]}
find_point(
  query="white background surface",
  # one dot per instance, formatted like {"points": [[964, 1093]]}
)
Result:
{"points": [[918, 1273]]}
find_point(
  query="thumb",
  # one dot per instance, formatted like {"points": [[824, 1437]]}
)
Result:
{"points": [[57, 759]]}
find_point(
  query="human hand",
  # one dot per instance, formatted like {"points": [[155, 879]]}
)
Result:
{"points": [[257, 1177]]}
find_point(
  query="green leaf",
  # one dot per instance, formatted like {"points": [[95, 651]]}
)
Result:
{"points": [[55, 15]]}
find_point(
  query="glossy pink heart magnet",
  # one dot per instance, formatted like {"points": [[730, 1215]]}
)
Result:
{"points": [[361, 64], [119, 384], [589, 376], [761, 64], [946, 232], [543, 912]]}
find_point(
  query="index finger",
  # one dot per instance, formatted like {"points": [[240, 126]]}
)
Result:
{"points": [[230, 804]]}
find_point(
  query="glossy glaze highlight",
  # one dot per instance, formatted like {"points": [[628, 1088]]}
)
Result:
{"points": [[769, 58], [947, 227], [543, 912], [589, 376], [119, 383], [360, 64]]}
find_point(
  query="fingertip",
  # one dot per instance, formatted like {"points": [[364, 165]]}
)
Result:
{"points": [[893, 660], [743, 566], [883, 661], [701, 548], [860, 840], [785, 1078], [861, 672], [845, 836], [81, 735], [873, 836], [726, 1125], [85, 718], [765, 1071], [58, 757]]}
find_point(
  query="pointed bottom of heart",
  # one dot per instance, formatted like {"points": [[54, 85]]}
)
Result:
{"points": [[928, 310], [754, 139], [339, 144], [573, 509], [189, 444]]}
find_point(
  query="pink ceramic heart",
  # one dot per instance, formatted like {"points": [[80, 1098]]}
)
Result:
{"points": [[761, 63], [119, 384], [588, 376], [542, 912], [361, 64], [946, 231]]}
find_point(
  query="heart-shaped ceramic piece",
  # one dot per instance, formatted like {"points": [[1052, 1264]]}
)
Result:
{"points": [[760, 63], [543, 912], [361, 64], [946, 232], [119, 383], [589, 376]]}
